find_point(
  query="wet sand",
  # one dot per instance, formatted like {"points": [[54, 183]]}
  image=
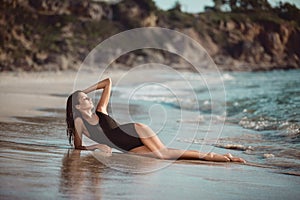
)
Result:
{"points": [[37, 162]]}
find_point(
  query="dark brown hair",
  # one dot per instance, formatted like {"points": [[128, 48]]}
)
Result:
{"points": [[71, 114]]}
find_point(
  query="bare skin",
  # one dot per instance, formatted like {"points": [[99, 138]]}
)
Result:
{"points": [[152, 145]]}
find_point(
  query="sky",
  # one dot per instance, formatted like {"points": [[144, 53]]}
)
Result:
{"points": [[195, 6]]}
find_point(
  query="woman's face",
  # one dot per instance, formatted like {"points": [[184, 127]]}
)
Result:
{"points": [[85, 103]]}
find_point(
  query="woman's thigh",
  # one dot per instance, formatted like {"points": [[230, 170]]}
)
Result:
{"points": [[141, 149], [144, 151], [143, 130], [149, 138]]}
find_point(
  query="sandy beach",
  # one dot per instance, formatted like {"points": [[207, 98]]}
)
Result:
{"points": [[37, 162], [24, 94], [208, 76], [28, 93]]}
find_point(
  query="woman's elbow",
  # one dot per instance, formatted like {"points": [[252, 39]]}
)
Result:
{"points": [[77, 147], [109, 80]]}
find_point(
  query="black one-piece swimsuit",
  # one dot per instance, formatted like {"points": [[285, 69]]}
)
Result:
{"points": [[122, 137]]}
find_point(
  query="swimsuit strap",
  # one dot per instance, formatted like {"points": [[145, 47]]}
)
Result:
{"points": [[106, 122]]}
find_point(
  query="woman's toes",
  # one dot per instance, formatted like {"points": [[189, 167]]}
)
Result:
{"points": [[238, 160], [234, 159]]}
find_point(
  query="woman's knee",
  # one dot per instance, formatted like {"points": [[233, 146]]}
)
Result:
{"points": [[209, 155], [163, 154], [141, 126]]}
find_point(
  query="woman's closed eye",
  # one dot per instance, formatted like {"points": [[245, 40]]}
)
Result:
{"points": [[87, 98]]}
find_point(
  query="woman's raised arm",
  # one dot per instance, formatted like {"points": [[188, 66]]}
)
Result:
{"points": [[106, 86]]}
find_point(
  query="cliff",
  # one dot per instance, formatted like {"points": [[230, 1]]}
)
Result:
{"points": [[38, 35]]}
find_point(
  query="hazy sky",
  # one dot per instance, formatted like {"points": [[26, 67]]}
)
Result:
{"points": [[198, 5]]}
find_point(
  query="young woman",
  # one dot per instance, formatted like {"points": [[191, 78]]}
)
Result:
{"points": [[132, 137]]}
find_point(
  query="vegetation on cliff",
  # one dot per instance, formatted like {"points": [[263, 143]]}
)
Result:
{"points": [[41, 35]]}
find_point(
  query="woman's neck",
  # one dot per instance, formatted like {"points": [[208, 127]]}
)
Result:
{"points": [[87, 114]]}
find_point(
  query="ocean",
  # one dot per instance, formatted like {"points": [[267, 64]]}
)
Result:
{"points": [[257, 113]]}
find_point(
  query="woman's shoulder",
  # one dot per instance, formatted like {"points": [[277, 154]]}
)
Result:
{"points": [[101, 112], [78, 121]]}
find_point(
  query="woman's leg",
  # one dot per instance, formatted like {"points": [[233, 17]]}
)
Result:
{"points": [[176, 154], [153, 144], [144, 151], [172, 153]]}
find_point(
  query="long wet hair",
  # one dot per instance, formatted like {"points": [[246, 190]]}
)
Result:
{"points": [[71, 114]]}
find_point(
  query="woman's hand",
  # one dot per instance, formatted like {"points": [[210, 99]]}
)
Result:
{"points": [[100, 85], [104, 148], [106, 85]]}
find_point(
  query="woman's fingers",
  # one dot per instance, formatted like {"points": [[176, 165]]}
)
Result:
{"points": [[105, 148], [109, 150]]}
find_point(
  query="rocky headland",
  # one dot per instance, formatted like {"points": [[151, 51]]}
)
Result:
{"points": [[53, 35]]}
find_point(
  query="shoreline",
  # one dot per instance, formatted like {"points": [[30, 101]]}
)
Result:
{"points": [[243, 67], [27, 94]]}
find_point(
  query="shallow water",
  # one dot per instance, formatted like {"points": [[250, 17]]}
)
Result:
{"points": [[261, 111], [37, 162]]}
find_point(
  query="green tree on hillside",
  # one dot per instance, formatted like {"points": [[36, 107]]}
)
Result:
{"points": [[242, 5], [288, 11], [218, 4], [177, 6]]}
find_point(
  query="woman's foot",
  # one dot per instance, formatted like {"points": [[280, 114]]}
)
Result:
{"points": [[234, 159], [216, 157], [222, 158]]}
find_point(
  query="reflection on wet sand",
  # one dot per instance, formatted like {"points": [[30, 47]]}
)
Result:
{"points": [[131, 163], [80, 174], [83, 173]]}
